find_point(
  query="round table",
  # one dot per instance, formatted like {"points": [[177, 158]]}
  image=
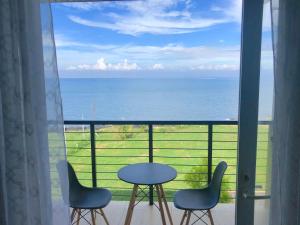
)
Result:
{"points": [[149, 174]]}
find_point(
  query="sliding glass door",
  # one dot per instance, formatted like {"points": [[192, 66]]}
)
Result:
{"points": [[255, 114], [264, 126]]}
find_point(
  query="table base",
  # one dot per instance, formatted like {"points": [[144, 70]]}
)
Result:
{"points": [[162, 202]]}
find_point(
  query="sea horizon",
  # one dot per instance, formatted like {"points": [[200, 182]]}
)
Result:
{"points": [[183, 99]]}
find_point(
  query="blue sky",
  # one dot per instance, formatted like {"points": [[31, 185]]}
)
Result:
{"points": [[152, 38]]}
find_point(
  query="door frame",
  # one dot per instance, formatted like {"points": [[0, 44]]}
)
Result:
{"points": [[252, 15]]}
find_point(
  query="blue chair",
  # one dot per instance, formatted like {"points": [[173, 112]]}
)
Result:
{"points": [[191, 200], [85, 200]]}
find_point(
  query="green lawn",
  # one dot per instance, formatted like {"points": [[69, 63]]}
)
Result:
{"points": [[181, 146]]}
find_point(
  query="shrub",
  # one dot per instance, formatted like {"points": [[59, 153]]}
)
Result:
{"points": [[199, 173], [125, 132]]}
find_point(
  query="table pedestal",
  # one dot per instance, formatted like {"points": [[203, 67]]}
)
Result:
{"points": [[162, 203]]}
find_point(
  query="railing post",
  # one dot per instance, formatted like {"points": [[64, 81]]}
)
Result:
{"points": [[209, 155], [150, 158], [93, 154]]}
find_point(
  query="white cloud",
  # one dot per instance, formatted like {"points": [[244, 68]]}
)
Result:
{"points": [[162, 17], [87, 6], [151, 16], [74, 55], [125, 66], [158, 66], [137, 26], [101, 65]]}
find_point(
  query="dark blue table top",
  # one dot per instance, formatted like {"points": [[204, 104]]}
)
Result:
{"points": [[147, 173]]}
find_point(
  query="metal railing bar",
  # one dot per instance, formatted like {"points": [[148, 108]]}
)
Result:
{"points": [[192, 150], [176, 189], [225, 132], [116, 187], [121, 148], [81, 164], [180, 157], [223, 157], [90, 172], [112, 164], [229, 165], [187, 140], [194, 181], [79, 156], [75, 140], [150, 160], [80, 132], [119, 140], [147, 122], [120, 132], [115, 179], [93, 154], [181, 148], [189, 173], [107, 172], [209, 152], [177, 180], [229, 182], [121, 156], [180, 132], [182, 164], [221, 150], [53, 171]]}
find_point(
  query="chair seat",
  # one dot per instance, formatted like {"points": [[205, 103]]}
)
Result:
{"points": [[195, 199], [91, 198]]}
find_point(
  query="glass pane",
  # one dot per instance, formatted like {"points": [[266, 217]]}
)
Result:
{"points": [[263, 162]]}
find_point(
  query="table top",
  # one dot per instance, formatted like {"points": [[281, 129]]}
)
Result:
{"points": [[147, 173]]}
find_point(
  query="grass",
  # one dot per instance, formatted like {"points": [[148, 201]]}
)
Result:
{"points": [[182, 146]]}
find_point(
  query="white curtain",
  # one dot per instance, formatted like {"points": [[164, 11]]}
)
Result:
{"points": [[285, 193], [31, 122]]}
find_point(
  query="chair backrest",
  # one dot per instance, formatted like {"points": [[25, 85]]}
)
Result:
{"points": [[74, 186], [216, 181]]}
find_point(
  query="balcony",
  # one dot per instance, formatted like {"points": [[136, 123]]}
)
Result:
{"points": [[98, 149]]}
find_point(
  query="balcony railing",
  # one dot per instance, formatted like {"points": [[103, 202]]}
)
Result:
{"points": [[98, 149]]}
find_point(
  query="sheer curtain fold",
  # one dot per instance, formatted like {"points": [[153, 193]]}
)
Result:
{"points": [[31, 122], [285, 195]]}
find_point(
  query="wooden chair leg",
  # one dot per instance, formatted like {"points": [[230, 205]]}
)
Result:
{"points": [[131, 205], [73, 215], [183, 217], [166, 203], [104, 217], [93, 215], [161, 209], [78, 216], [188, 218], [210, 217]]}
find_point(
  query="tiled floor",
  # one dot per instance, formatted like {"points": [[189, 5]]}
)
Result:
{"points": [[148, 215]]}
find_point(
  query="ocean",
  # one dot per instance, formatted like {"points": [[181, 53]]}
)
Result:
{"points": [[157, 99]]}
